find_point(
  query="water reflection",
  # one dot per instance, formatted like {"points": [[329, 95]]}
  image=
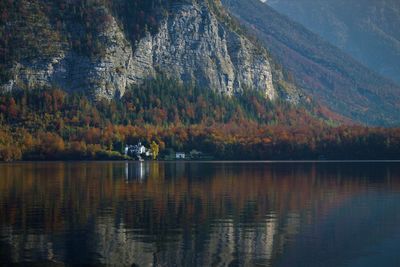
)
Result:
{"points": [[136, 171], [199, 214]]}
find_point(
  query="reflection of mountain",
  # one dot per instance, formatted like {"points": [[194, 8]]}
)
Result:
{"points": [[184, 213], [119, 246], [28, 246]]}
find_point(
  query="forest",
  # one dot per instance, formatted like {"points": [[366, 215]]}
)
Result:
{"points": [[51, 124]]}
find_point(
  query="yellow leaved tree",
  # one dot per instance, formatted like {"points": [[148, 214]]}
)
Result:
{"points": [[154, 149]]}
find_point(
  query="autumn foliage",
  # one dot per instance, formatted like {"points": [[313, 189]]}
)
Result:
{"points": [[52, 124]]}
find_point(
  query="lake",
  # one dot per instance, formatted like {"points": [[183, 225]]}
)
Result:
{"points": [[200, 213]]}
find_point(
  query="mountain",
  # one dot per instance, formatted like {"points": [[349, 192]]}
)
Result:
{"points": [[369, 30], [323, 71], [82, 79], [104, 47]]}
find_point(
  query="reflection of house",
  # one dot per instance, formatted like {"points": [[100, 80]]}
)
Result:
{"points": [[136, 171], [180, 155]]}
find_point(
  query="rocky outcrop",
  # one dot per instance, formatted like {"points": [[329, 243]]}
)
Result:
{"points": [[105, 76], [191, 44]]}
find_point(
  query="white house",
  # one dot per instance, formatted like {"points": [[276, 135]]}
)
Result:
{"points": [[137, 150], [141, 148], [180, 155]]}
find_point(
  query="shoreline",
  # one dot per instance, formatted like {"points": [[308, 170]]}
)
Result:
{"points": [[203, 161]]}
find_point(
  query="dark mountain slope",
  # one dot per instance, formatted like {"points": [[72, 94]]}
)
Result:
{"points": [[331, 76], [369, 30]]}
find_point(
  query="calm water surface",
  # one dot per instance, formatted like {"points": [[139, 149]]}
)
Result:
{"points": [[200, 214]]}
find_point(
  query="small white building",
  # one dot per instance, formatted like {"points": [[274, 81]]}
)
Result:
{"points": [[141, 149], [136, 150], [180, 155]]}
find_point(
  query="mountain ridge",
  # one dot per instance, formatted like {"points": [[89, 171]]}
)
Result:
{"points": [[323, 71], [105, 47], [367, 29]]}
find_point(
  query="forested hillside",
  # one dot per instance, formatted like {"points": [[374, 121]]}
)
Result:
{"points": [[51, 124], [322, 70]]}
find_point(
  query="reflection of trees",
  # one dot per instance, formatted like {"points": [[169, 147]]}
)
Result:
{"points": [[195, 214]]}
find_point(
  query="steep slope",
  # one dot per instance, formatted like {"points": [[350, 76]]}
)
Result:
{"points": [[369, 30], [322, 70], [90, 46]]}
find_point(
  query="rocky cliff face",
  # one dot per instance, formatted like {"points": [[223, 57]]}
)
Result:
{"points": [[191, 44]]}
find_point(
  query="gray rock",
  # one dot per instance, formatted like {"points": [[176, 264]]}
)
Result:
{"points": [[191, 44]]}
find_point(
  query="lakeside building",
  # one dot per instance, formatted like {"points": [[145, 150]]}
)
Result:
{"points": [[180, 155]]}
